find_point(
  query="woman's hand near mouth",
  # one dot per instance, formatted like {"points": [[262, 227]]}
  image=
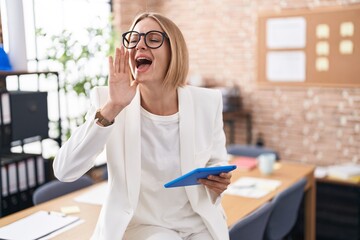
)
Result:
{"points": [[121, 89]]}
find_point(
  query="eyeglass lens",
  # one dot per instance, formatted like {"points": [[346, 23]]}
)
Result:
{"points": [[153, 39]]}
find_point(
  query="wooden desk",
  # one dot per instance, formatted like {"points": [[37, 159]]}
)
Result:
{"points": [[88, 212], [288, 173], [235, 207]]}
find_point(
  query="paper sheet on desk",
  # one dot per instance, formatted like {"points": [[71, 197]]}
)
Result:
{"points": [[36, 225], [94, 196], [252, 187]]}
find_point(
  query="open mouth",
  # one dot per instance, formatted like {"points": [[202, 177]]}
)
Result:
{"points": [[142, 62]]}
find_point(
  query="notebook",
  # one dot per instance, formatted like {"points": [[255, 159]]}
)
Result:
{"points": [[36, 225], [244, 163]]}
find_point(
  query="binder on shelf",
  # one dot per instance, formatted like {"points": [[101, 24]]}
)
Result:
{"points": [[5, 120], [12, 178], [4, 182], [5, 109], [21, 174], [31, 172]]}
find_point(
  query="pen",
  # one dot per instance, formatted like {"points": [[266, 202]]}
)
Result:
{"points": [[57, 213]]}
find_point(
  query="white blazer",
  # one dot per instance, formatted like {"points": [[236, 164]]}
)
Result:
{"points": [[202, 143]]}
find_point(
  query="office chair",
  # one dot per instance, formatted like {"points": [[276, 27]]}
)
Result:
{"points": [[252, 227], [249, 150], [284, 215], [56, 188]]}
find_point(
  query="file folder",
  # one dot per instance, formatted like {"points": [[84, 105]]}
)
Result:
{"points": [[20, 175]]}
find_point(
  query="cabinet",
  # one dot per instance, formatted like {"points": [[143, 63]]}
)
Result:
{"points": [[337, 211], [24, 120]]}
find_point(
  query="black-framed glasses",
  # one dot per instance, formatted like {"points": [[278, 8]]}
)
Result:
{"points": [[153, 39]]}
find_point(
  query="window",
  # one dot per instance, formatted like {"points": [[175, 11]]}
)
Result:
{"points": [[77, 29]]}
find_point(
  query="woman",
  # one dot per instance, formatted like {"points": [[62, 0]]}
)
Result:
{"points": [[154, 129]]}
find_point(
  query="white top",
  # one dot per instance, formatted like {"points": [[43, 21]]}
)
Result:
{"points": [[160, 163]]}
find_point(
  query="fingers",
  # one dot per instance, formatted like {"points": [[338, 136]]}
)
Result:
{"points": [[214, 186], [122, 60], [217, 184], [121, 63], [117, 60], [111, 65], [126, 63]]}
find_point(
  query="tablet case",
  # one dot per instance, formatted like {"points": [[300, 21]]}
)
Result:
{"points": [[191, 178]]}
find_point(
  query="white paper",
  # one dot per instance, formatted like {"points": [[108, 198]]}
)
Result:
{"points": [[35, 226], [344, 171], [252, 187], [285, 66], [95, 196], [64, 229], [284, 33]]}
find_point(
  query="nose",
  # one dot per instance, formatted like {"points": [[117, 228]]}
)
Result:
{"points": [[141, 44]]}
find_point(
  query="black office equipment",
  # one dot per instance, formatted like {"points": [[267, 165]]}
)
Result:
{"points": [[23, 120], [29, 115]]}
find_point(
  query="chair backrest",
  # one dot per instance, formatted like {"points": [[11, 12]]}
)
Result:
{"points": [[249, 150], [56, 188], [284, 215], [252, 227]]}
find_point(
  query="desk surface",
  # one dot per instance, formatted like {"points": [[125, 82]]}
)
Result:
{"points": [[235, 207]]}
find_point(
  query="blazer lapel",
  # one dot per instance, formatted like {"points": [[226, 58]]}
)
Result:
{"points": [[187, 131], [133, 149]]}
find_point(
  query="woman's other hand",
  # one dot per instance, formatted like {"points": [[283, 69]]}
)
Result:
{"points": [[217, 184]]}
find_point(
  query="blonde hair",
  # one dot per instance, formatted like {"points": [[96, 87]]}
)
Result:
{"points": [[179, 57]]}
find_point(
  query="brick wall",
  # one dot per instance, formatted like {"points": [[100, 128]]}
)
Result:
{"points": [[316, 125]]}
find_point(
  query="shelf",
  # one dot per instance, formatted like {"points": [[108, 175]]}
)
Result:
{"points": [[32, 100]]}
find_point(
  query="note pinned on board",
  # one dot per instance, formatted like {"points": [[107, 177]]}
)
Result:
{"points": [[322, 64], [322, 48], [289, 32], [347, 29], [322, 31], [36, 226], [346, 47], [286, 66]]}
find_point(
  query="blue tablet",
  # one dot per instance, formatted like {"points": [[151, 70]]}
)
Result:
{"points": [[191, 178]]}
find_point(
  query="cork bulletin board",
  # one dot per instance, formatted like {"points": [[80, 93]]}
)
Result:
{"points": [[310, 47]]}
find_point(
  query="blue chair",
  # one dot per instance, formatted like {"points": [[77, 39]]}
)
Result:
{"points": [[284, 215], [249, 150], [252, 227], [56, 188]]}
